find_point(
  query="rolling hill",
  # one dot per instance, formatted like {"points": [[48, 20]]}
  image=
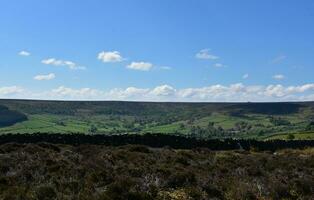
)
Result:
{"points": [[201, 120]]}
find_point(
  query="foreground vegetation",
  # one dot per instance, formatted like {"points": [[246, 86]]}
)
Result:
{"points": [[55, 171], [201, 120], [157, 141]]}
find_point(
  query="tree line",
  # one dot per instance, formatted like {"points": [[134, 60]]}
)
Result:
{"points": [[156, 140]]}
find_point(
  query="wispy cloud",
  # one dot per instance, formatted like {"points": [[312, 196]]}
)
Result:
{"points": [[56, 62], [24, 53], [205, 54], [110, 56], [245, 76], [165, 67], [278, 59], [45, 77], [279, 77], [219, 65], [142, 66]]}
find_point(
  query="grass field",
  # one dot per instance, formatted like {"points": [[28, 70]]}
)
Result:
{"points": [[297, 136]]}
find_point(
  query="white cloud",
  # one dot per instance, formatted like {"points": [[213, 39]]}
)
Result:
{"points": [[275, 91], [45, 77], [300, 89], [205, 54], [110, 56], [240, 92], [24, 53], [163, 90], [10, 90], [165, 68], [71, 65], [233, 93], [237, 92], [245, 76], [83, 93], [128, 93], [142, 66], [218, 65], [278, 77], [278, 59]]}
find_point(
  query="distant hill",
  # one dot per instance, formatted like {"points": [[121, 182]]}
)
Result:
{"points": [[150, 108], [9, 117], [283, 108]]}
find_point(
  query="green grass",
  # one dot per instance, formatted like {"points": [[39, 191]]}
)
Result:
{"points": [[48, 124], [298, 136], [109, 124], [169, 128], [71, 124], [167, 118]]}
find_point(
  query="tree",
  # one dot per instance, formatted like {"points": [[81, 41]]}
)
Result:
{"points": [[278, 121], [211, 124], [60, 123], [310, 126], [93, 129], [291, 136], [182, 126]]}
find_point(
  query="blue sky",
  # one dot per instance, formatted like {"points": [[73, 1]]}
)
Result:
{"points": [[179, 50]]}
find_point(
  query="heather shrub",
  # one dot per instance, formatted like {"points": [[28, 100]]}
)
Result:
{"points": [[131, 172], [45, 193]]}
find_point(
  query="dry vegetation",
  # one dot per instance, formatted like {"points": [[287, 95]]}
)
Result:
{"points": [[49, 171]]}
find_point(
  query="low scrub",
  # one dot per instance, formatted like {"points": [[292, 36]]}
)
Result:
{"points": [[60, 171]]}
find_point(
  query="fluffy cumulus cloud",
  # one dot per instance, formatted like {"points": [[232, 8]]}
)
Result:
{"points": [[129, 93], [142, 66], [163, 90], [63, 92], [233, 92], [278, 77], [57, 62], [205, 54], [10, 91], [45, 77], [240, 92], [24, 53], [159, 93], [110, 56], [213, 93]]}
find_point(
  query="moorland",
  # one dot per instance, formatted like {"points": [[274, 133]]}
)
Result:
{"points": [[59, 171]]}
